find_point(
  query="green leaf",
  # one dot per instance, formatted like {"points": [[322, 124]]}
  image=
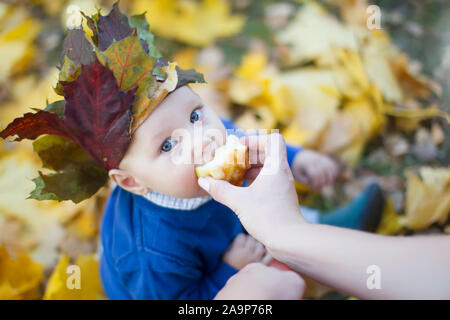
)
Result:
{"points": [[159, 74], [184, 76], [143, 30], [69, 72], [188, 76], [38, 193], [56, 107], [58, 153], [76, 184], [78, 176]]}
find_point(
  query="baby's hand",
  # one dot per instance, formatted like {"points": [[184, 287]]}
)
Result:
{"points": [[244, 250], [314, 169]]}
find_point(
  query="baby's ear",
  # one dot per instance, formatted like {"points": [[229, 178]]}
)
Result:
{"points": [[127, 182]]}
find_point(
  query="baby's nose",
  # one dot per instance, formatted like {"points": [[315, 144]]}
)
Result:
{"points": [[209, 147], [204, 152]]}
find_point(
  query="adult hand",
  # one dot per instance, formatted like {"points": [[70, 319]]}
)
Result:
{"points": [[270, 203], [314, 169], [256, 281]]}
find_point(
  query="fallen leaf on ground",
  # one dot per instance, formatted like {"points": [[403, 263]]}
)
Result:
{"points": [[62, 286], [198, 23], [427, 198], [390, 224], [20, 276]]}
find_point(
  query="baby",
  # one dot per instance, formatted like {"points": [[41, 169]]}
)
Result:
{"points": [[163, 237]]}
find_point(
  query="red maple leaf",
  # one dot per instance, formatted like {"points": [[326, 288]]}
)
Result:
{"points": [[113, 27], [97, 116], [77, 47], [103, 127], [32, 125]]}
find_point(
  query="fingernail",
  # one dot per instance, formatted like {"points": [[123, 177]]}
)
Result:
{"points": [[204, 183]]}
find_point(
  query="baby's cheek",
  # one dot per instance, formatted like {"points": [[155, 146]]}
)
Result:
{"points": [[180, 181], [189, 184]]}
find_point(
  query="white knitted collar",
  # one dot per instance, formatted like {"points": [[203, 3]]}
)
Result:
{"points": [[170, 202]]}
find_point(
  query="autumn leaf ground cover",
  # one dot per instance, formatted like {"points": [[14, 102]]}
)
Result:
{"points": [[376, 100]]}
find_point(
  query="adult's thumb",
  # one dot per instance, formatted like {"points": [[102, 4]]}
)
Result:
{"points": [[222, 191]]}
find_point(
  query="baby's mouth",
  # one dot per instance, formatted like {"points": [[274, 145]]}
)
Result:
{"points": [[209, 152]]}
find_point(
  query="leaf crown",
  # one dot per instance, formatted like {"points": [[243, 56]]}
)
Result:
{"points": [[111, 81]]}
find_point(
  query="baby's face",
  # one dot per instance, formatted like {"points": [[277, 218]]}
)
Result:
{"points": [[180, 134]]}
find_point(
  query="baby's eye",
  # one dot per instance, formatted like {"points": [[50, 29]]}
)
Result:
{"points": [[196, 115], [168, 145]]}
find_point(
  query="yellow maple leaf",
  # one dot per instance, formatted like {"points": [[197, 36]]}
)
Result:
{"points": [[86, 224], [312, 35], [376, 57], [257, 119], [427, 197], [19, 277], [316, 100], [294, 134], [198, 23], [27, 92], [390, 222], [17, 34], [13, 235], [81, 282], [258, 85], [353, 12], [43, 219]]}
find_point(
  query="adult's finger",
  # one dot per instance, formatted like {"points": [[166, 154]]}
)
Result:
{"points": [[252, 173], [275, 155], [267, 259], [222, 191], [256, 148], [260, 147]]}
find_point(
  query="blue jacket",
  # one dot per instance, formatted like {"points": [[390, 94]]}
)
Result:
{"points": [[153, 252]]}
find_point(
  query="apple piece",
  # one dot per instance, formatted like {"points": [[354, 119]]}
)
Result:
{"points": [[230, 162]]}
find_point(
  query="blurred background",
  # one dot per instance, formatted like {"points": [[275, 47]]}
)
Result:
{"points": [[376, 96]]}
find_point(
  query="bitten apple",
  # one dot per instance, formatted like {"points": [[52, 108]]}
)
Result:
{"points": [[230, 162]]}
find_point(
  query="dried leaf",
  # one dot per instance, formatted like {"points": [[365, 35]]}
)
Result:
{"points": [[311, 23], [316, 99], [17, 35], [58, 286], [198, 23], [20, 277], [258, 86], [13, 235], [376, 58], [390, 222], [41, 219], [427, 198]]}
